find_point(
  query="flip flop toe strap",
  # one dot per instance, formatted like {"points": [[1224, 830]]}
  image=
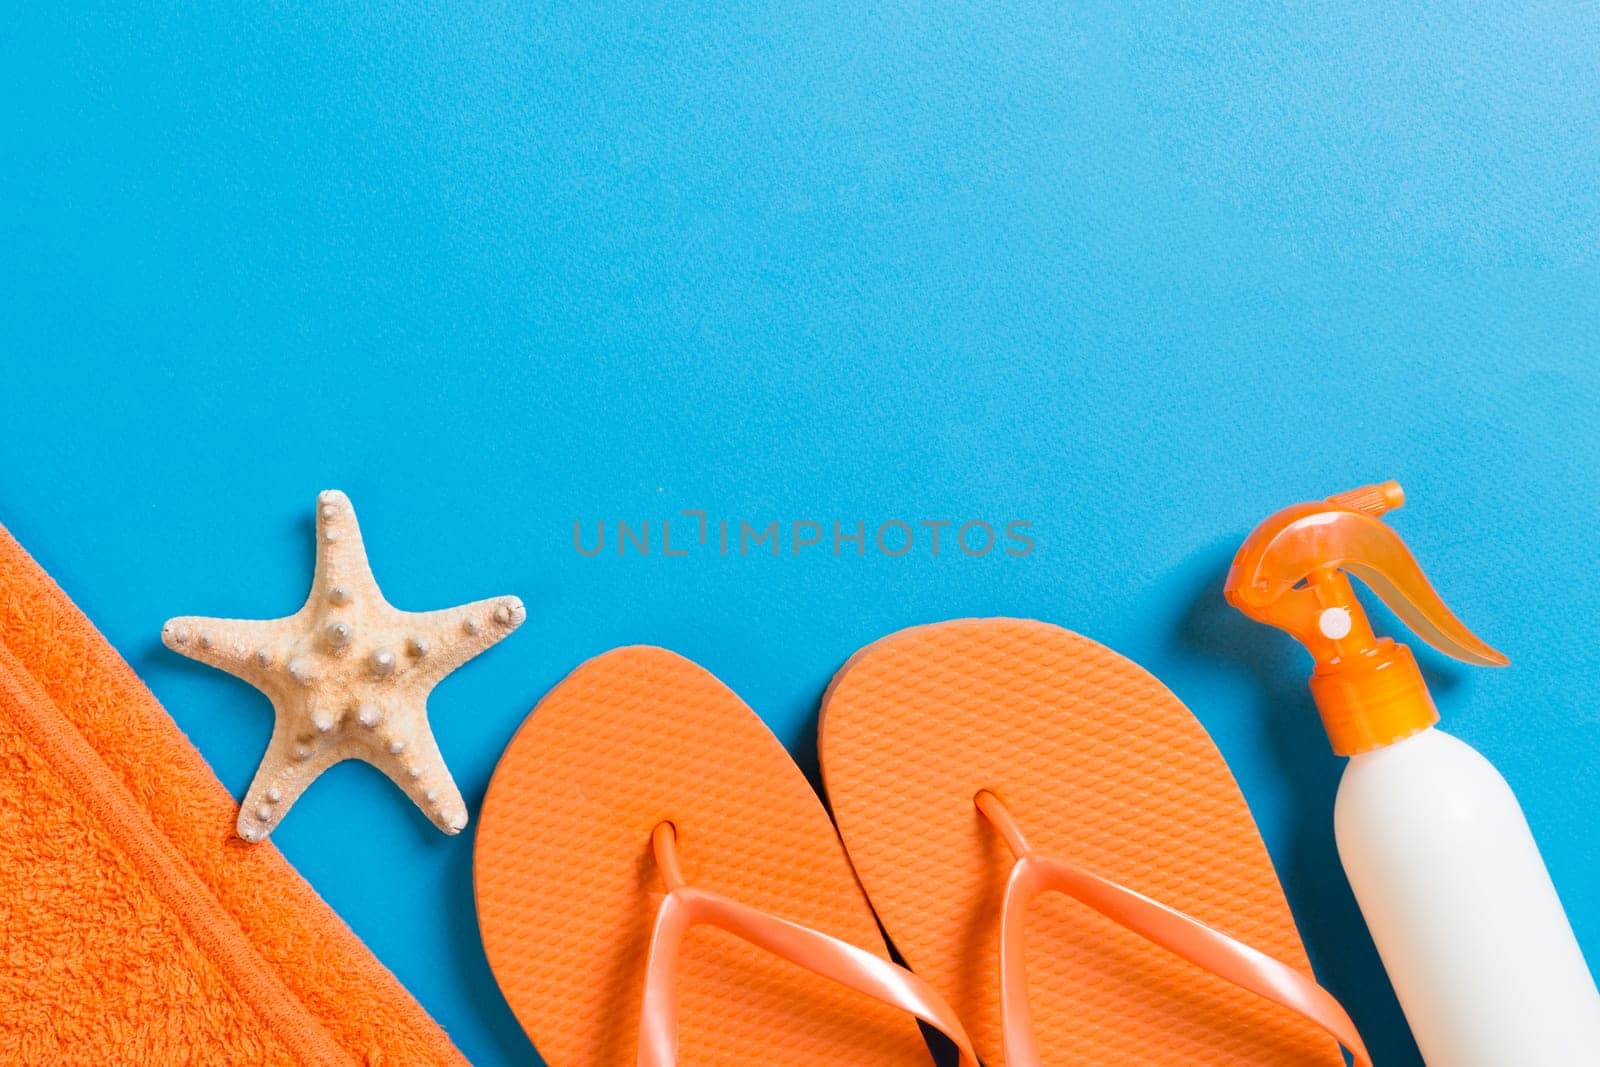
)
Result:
{"points": [[686, 907], [1033, 874]]}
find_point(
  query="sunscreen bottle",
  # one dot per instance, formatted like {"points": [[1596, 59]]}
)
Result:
{"points": [[1434, 843]]}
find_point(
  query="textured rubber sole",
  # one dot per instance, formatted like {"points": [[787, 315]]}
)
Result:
{"points": [[1102, 766], [567, 887]]}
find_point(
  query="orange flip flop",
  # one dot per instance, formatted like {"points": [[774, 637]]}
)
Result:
{"points": [[1032, 815], [642, 799]]}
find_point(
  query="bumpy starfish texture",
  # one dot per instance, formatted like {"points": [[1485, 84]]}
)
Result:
{"points": [[348, 677]]}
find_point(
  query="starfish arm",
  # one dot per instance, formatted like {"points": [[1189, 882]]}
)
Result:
{"points": [[440, 641], [245, 648], [342, 572], [293, 760], [421, 773]]}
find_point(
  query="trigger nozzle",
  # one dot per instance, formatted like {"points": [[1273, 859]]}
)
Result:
{"points": [[1293, 572]]}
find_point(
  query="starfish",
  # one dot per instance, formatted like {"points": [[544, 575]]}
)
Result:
{"points": [[348, 677]]}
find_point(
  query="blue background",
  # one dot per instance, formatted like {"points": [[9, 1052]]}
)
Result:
{"points": [[1136, 273]]}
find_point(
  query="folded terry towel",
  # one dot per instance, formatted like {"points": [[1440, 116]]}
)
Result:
{"points": [[134, 927]]}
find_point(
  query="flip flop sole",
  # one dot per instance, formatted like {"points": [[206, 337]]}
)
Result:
{"points": [[567, 888], [1102, 766]]}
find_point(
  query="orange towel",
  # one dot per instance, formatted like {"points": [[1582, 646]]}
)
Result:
{"points": [[134, 926]]}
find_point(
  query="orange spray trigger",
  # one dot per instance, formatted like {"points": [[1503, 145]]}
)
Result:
{"points": [[1291, 572]]}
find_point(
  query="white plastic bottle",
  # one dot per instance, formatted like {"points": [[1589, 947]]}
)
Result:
{"points": [[1438, 851], [1462, 909]]}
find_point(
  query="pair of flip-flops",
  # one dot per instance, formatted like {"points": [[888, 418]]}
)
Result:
{"points": [[1047, 835]]}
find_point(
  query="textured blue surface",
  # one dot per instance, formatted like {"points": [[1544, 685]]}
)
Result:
{"points": [[1135, 273]]}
